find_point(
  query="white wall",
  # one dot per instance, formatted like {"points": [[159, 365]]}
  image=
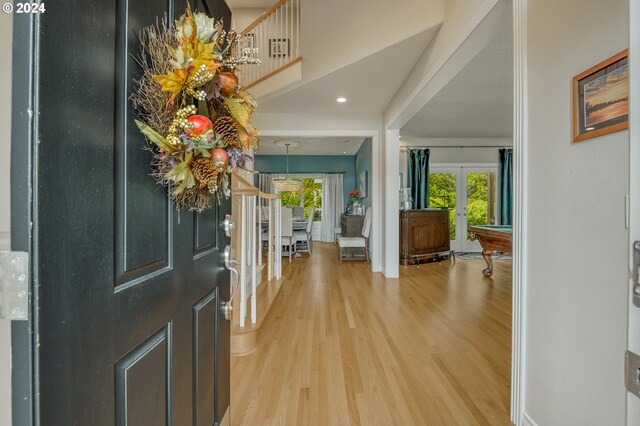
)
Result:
{"points": [[576, 294], [361, 27], [447, 54], [243, 17], [5, 223], [285, 122]]}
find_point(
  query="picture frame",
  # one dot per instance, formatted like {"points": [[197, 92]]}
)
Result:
{"points": [[279, 47], [248, 41], [363, 187], [601, 98]]}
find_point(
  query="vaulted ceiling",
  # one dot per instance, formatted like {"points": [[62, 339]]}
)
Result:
{"points": [[475, 103]]}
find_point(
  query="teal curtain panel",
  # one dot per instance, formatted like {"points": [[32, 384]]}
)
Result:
{"points": [[419, 177], [506, 186]]}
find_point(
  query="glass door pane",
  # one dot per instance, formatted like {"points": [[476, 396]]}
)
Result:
{"points": [[442, 194], [481, 202]]}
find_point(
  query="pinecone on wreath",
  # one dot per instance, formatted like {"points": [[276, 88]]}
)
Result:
{"points": [[226, 128], [205, 172]]}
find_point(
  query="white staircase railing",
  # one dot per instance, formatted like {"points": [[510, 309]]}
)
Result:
{"points": [[274, 38], [248, 244]]}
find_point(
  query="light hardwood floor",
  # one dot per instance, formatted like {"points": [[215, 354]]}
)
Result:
{"points": [[345, 346]]}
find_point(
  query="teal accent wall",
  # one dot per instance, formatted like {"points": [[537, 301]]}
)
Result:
{"points": [[364, 161], [312, 164]]}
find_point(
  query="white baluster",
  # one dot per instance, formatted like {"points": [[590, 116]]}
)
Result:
{"points": [[270, 258], [243, 261], [254, 275]]}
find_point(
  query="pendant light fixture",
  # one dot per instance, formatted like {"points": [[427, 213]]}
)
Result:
{"points": [[286, 184]]}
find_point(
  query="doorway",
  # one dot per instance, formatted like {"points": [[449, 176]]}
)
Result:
{"points": [[470, 193]]}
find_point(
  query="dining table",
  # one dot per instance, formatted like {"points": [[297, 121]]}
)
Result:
{"points": [[299, 224]]}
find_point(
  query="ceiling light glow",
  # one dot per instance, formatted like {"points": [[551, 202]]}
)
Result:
{"points": [[341, 100]]}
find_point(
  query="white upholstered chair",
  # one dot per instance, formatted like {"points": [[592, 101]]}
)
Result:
{"points": [[286, 228], [357, 242], [298, 211], [305, 235]]}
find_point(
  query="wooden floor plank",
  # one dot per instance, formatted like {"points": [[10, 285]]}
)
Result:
{"points": [[345, 346]]}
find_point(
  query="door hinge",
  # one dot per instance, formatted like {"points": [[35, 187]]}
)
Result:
{"points": [[632, 373], [14, 285]]}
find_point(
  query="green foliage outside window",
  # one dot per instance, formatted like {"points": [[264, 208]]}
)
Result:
{"points": [[442, 194], [312, 196]]}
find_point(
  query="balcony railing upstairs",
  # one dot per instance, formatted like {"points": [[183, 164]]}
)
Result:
{"points": [[274, 39]]}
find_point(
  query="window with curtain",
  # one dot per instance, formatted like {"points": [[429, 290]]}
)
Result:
{"points": [[419, 177], [332, 205], [506, 186], [310, 195]]}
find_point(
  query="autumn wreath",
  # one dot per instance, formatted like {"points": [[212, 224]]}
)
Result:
{"points": [[187, 67]]}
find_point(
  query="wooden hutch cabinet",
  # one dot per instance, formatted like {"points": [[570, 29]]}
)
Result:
{"points": [[423, 234]]}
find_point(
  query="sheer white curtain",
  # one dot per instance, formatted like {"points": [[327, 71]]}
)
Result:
{"points": [[332, 205], [265, 184]]}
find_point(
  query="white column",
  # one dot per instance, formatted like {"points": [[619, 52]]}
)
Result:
{"points": [[391, 149]]}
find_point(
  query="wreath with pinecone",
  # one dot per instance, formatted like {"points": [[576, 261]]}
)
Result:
{"points": [[188, 67]]}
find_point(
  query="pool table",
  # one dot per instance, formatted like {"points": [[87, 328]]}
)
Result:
{"points": [[492, 238]]}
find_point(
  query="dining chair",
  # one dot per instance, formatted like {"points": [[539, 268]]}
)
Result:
{"points": [[298, 211], [305, 235], [264, 212], [357, 242], [286, 228]]}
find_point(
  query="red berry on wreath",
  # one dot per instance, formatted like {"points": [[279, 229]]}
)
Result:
{"points": [[200, 125], [220, 157], [228, 83]]}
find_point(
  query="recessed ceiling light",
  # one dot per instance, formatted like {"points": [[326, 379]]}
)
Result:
{"points": [[341, 100], [345, 152]]}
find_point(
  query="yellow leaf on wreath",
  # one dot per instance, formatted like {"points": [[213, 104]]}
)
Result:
{"points": [[238, 111], [202, 54], [172, 82], [249, 100], [248, 137], [155, 137]]}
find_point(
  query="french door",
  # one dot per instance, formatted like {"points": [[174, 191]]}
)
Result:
{"points": [[470, 193]]}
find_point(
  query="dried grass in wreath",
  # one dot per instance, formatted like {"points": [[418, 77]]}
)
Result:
{"points": [[149, 99]]}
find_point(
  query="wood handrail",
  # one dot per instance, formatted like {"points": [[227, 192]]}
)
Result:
{"points": [[264, 16], [241, 179], [274, 72], [251, 189]]}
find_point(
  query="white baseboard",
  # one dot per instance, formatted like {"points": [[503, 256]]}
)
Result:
{"points": [[525, 420]]}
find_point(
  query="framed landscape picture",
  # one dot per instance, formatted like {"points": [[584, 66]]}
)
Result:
{"points": [[601, 98], [363, 184]]}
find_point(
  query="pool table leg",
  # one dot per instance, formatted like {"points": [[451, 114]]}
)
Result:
{"points": [[486, 255]]}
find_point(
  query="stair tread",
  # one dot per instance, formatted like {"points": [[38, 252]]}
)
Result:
{"points": [[266, 295]]}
